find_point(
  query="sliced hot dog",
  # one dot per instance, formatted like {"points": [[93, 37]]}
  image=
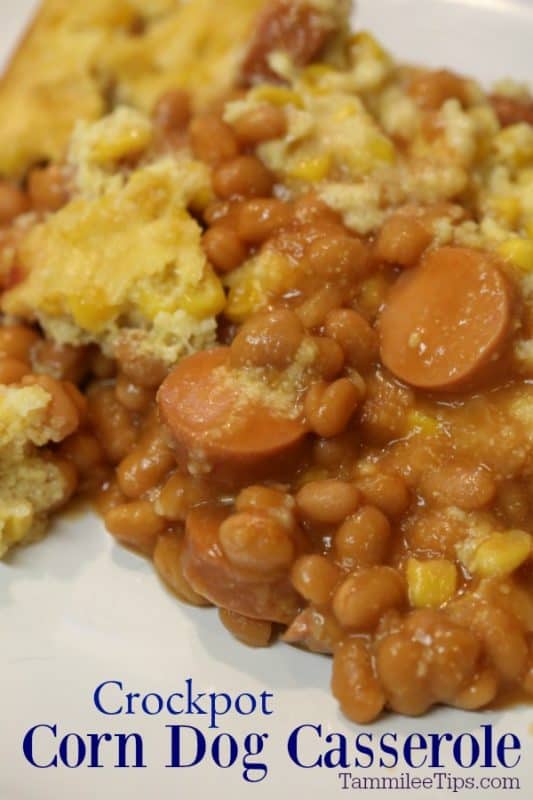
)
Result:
{"points": [[446, 320], [209, 414], [210, 574]]}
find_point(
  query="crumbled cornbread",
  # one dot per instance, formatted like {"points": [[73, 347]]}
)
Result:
{"points": [[30, 485]]}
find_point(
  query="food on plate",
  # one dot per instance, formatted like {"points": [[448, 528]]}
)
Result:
{"points": [[295, 294]]}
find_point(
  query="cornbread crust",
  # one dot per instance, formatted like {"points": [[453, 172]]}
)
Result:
{"points": [[78, 59], [30, 485], [123, 259]]}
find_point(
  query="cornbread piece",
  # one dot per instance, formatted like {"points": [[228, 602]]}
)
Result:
{"points": [[30, 485], [123, 258], [80, 59]]}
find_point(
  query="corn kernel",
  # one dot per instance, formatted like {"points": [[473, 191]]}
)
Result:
{"points": [[418, 422], [370, 44], [91, 310], [519, 252], [529, 229], [431, 583], [508, 207], [312, 169], [382, 149], [500, 554], [316, 72], [206, 300], [277, 96]]}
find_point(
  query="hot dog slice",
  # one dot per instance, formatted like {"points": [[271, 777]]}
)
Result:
{"points": [[446, 320], [208, 412], [211, 574]]}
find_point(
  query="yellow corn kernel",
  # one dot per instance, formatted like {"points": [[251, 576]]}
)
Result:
{"points": [[418, 422], [529, 229], [277, 96], [370, 44], [244, 301], [316, 72], [91, 310], [382, 149], [431, 583], [519, 252], [508, 207], [312, 169], [500, 554], [206, 300], [312, 474]]}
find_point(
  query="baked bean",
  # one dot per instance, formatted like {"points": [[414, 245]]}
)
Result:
{"points": [[112, 423], [504, 641], [469, 488], [402, 240], [179, 494], [329, 360], [385, 409], [48, 188], [212, 140], [244, 176], [389, 493], [260, 124], [142, 370], [252, 632], [256, 542], [351, 330], [268, 339], [13, 202], [338, 258], [17, 341], [172, 111], [259, 219], [132, 396], [327, 501], [63, 362], [431, 89], [12, 370], [146, 465], [108, 496], [451, 652], [278, 504], [316, 629], [398, 661], [314, 577], [223, 248], [513, 501], [167, 558], [363, 539], [314, 310], [84, 451], [362, 599], [135, 524], [101, 366], [479, 693], [310, 209], [435, 532], [337, 453], [329, 408], [63, 416], [354, 682]]}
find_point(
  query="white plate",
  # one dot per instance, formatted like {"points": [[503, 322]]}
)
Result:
{"points": [[76, 610]]}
